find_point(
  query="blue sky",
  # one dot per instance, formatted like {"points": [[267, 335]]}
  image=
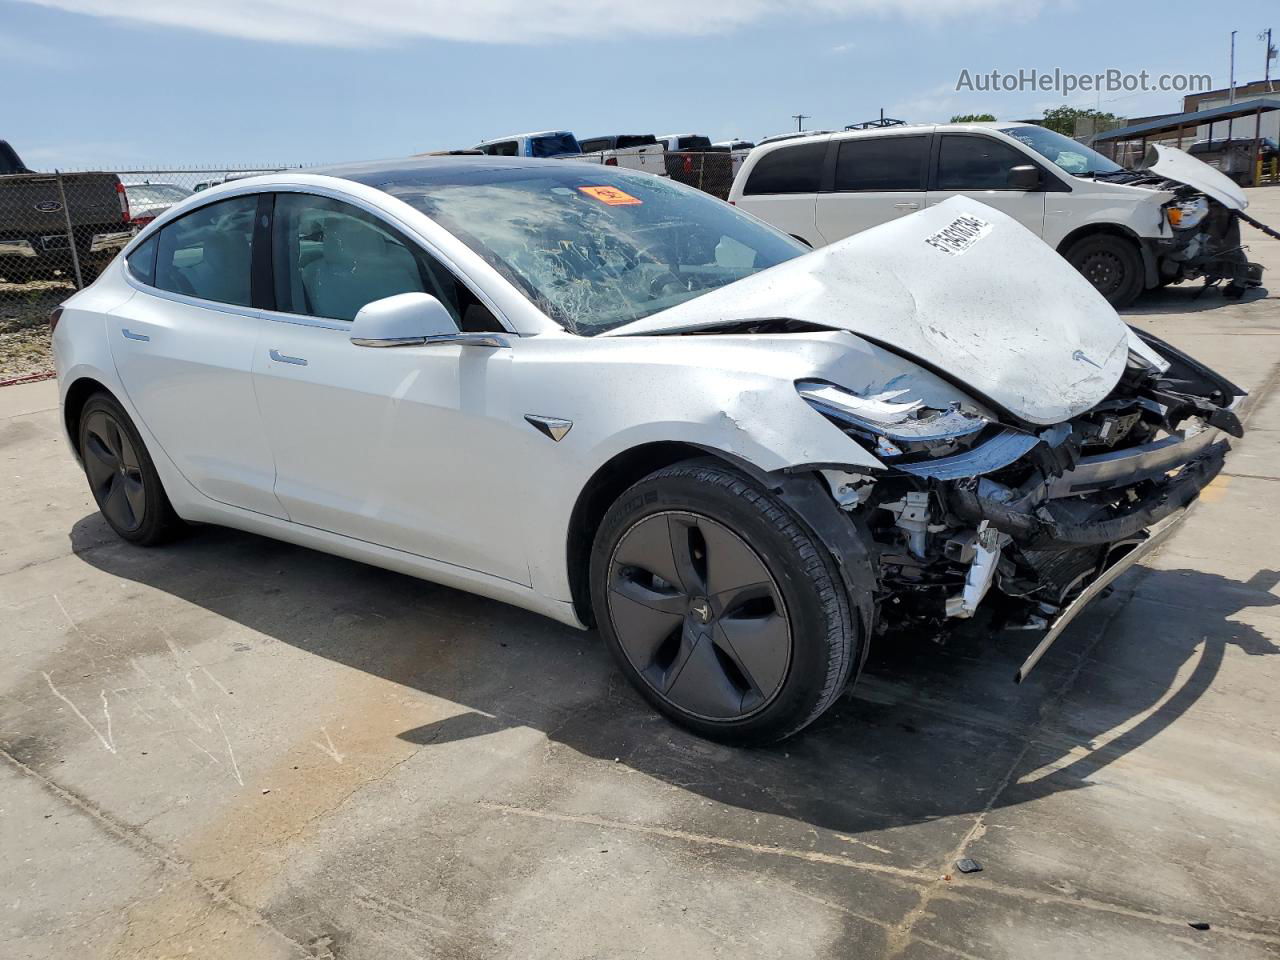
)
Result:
{"points": [[117, 83]]}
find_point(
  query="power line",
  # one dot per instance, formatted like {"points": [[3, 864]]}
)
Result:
{"points": [[800, 118]]}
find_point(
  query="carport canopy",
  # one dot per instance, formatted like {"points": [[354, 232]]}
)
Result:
{"points": [[1154, 129]]}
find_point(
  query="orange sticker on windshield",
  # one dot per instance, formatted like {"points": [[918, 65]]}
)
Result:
{"points": [[612, 196]]}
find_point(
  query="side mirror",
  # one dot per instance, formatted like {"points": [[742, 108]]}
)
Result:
{"points": [[413, 320], [1026, 177]]}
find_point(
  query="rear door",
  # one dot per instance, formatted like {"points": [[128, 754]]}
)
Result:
{"points": [[782, 188], [875, 179], [977, 165], [184, 346]]}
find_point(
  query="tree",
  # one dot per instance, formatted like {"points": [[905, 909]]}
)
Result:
{"points": [[974, 118], [1065, 120]]}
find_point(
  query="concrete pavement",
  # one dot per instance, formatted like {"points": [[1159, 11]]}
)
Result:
{"points": [[234, 748]]}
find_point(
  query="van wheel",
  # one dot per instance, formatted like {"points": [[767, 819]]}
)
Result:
{"points": [[1112, 264], [122, 477], [722, 611]]}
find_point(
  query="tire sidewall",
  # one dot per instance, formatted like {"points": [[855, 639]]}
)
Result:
{"points": [[812, 620], [1124, 250], [158, 521]]}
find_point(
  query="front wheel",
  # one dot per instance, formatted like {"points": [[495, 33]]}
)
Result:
{"points": [[1112, 264], [721, 609]]}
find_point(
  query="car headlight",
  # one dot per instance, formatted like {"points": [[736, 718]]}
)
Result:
{"points": [[1185, 214], [895, 423]]}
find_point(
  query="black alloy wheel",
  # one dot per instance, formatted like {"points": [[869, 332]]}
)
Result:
{"points": [[698, 615], [121, 475], [723, 610]]}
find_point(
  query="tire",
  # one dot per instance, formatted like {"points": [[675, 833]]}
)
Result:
{"points": [[748, 662], [1112, 264], [122, 476]]}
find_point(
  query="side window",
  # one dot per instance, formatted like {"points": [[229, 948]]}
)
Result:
{"points": [[882, 164], [331, 258], [142, 261], [791, 169], [505, 149], [207, 254], [976, 163]]}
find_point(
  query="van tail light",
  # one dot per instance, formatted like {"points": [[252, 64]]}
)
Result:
{"points": [[124, 201], [54, 316], [611, 162]]}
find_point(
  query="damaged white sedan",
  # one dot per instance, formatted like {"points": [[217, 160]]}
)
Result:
{"points": [[619, 402]]}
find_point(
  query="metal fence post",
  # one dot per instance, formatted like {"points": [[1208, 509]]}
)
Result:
{"points": [[71, 234]]}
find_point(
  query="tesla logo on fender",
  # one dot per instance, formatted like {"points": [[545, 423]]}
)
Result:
{"points": [[959, 235]]}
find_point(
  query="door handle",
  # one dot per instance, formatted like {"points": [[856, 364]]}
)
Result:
{"points": [[129, 335], [907, 205], [285, 358]]}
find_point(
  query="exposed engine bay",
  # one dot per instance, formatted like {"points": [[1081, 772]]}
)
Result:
{"points": [[970, 508]]}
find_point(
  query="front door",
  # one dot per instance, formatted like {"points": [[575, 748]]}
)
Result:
{"points": [[976, 165], [393, 446]]}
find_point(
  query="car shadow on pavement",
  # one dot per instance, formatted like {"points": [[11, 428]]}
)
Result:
{"points": [[1190, 297], [928, 732]]}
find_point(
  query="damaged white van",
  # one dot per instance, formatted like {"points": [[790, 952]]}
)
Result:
{"points": [[1126, 230], [617, 401]]}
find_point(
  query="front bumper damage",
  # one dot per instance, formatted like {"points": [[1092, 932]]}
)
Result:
{"points": [[1029, 525]]}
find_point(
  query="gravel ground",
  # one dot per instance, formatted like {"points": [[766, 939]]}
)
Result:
{"points": [[24, 327]]}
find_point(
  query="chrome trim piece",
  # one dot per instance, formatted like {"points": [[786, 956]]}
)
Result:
{"points": [[279, 357], [464, 339], [110, 241], [553, 427], [1155, 536], [16, 248], [129, 335]]}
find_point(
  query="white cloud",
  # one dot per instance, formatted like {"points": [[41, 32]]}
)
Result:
{"points": [[363, 23]]}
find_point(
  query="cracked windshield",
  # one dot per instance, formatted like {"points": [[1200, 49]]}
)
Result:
{"points": [[596, 250]]}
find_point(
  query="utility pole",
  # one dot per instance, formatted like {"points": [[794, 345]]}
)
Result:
{"points": [[800, 118], [1265, 36]]}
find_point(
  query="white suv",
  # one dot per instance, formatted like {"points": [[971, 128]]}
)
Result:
{"points": [[1126, 230]]}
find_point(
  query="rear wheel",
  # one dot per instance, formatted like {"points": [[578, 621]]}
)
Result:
{"points": [[121, 475], [1112, 264], [720, 608]]}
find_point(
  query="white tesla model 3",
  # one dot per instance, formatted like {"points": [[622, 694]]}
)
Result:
{"points": [[620, 402]]}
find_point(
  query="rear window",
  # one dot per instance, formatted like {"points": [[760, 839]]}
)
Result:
{"points": [[796, 169], [630, 141], [693, 143], [596, 143], [208, 252], [882, 164], [142, 261], [554, 146]]}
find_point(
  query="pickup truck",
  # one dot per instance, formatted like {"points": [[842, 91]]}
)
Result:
{"points": [[693, 160], [34, 214], [634, 151]]}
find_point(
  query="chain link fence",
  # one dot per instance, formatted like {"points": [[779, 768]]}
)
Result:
{"points": [[59, 230]]}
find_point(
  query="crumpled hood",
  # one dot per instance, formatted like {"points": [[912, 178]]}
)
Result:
{"points": [[961, 288], [1173, 164]]}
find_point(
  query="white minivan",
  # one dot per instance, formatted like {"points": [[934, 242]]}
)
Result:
{"points": [[1125, 230]]}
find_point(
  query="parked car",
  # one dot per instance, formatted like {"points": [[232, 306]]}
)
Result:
{"points": [[34, 213], [548, 143], [1126, 230], [619, 402], [635, 151], [227, 178], [693, 160], [148, 200]]}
